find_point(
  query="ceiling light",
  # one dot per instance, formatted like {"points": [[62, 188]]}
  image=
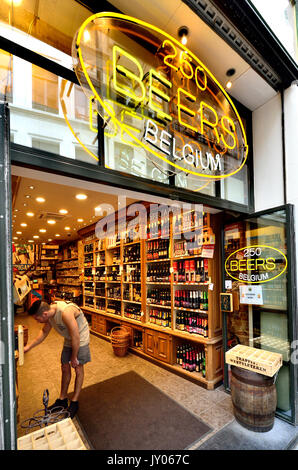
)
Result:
{"points": [[23, 225], [229, 84], [63, 211], [49, 239], [15, 238], [35, 236], [16, 210], [42, 230], [80, 220], [31, 241], [40, 199], [31, 187], [19, 233], [51, 221], [30, 214], [57, 235], [27, 196], [25, 205], [86, 36], [66, 228], [81, 197], [183, 33]]}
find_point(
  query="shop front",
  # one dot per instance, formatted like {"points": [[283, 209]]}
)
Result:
{"points": [[128, 187]]}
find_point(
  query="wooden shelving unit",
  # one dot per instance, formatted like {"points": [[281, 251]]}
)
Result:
{"points": [[129, 278]]}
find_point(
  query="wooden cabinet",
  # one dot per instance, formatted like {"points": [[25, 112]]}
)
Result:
{"points": [[158, 345]]}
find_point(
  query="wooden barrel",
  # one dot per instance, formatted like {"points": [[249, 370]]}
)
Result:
{"points": [[254, 399], [120, 339]]}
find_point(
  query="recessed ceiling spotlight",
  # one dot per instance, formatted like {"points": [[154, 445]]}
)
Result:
{"points": [[51, 221], [81, 197], [80, 220], [16, 210], [25, 205], [31, 241], [19, 233], [31, 187], [40, 199], [50, 239], [230, 72], [23, 224], [63, 211], [57, 235], [35, 236], [42, 230], [183, 33], [27, 196], [66, 228], [229, 84], [30, 214], [15, 238]]}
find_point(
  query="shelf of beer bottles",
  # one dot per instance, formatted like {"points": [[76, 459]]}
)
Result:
{"points": [[131, 301], [130, 282], [131, 243], [191, 283], [181, 257], [89, 294], [100, 296], [158, 306], [112, 298], [194, 310], [151, 283], [162, 237], [99, 251], [198, 375], [113, 282], [132, 262], [158, 260]]}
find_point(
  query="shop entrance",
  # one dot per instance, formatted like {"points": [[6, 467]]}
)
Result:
{"points": [[156, 272], [259, 274]]}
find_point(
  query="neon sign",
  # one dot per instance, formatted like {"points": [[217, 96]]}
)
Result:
{"points": [[158, 96], [256, 264]]}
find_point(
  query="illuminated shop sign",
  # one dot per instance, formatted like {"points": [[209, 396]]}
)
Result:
{"points": [[255, 264], [158, 96]]}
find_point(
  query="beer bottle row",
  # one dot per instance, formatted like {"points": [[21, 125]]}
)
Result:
{"points": [[133, 312], [191, 358], [190, 271], [159, 297], [138, 339], [194, 299], [159, 317], [158, 272], [132, 253], [192, 323], [158, 228], [158, 249]]}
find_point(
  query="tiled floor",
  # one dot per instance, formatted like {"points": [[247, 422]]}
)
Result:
{"points": [[42, 370]]}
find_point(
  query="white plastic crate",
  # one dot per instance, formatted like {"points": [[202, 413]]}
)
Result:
{"points": [[59, 436]]}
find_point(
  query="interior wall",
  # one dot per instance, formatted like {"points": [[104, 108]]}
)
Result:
{"points": [[267, 148]]}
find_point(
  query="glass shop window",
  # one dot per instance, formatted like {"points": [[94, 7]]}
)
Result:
{"points": [[44, 90]]}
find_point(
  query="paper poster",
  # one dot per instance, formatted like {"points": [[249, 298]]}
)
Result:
{"points": [[250, 294], [208, 251]]}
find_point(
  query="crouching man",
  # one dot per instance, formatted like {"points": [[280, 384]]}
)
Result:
{"points": [[69, 321]]}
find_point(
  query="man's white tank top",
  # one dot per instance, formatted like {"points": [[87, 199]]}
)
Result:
{"points": [[57, 323]]}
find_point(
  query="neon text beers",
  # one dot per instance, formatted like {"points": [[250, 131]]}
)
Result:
{"points": [[158, 96]]}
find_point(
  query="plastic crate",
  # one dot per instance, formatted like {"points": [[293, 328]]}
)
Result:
{"points": [[59, 436]]}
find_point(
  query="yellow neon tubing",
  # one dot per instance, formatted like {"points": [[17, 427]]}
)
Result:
{"points": [[158, 30], [256, 246]]}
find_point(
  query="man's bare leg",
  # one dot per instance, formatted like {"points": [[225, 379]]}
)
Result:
{"points": [[78, 382], [65, 380]]}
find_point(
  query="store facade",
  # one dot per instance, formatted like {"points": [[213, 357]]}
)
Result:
{"points": [[50, 125]]}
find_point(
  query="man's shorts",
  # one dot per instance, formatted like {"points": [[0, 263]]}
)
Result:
{"points": [[84, 355]]}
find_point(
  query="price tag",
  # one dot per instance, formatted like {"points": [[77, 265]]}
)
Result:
{"points": [[211, 286]]}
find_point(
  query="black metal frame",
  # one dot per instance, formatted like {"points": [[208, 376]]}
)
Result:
{"points": [[291, 297], [7, 375]]}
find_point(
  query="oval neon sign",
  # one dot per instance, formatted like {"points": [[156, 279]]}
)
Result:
{"points": [[155, 94], [256, 264]]}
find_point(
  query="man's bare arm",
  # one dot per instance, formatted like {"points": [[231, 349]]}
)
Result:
{"points": [[39, 338]]}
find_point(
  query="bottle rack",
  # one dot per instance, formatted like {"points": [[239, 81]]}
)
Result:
{"points": [[128, 279]]}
